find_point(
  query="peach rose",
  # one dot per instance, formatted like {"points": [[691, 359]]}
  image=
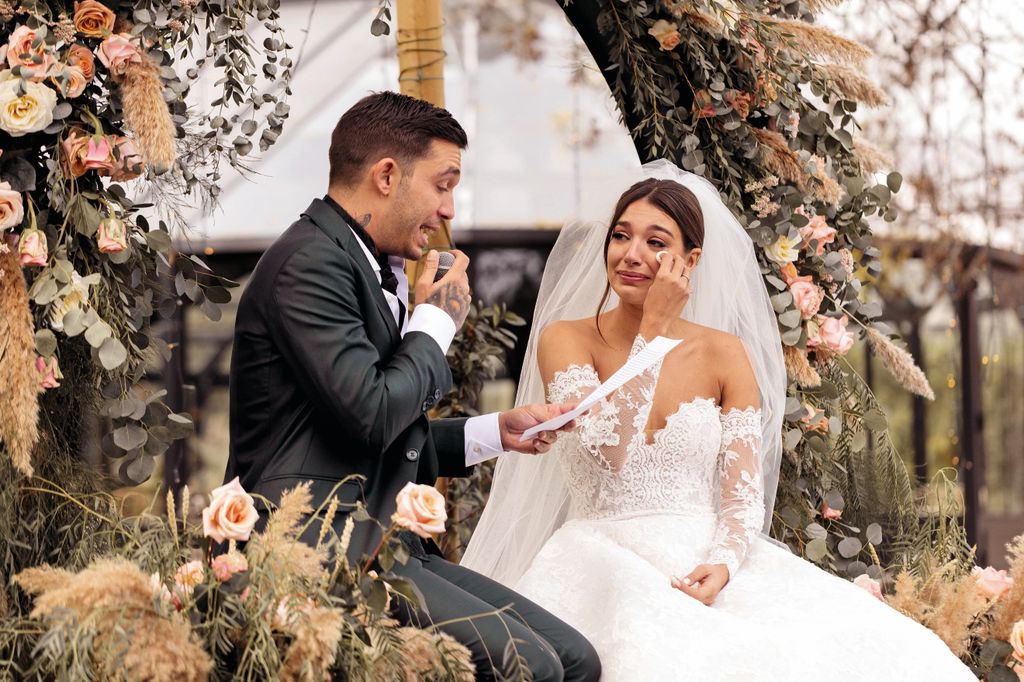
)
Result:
{"points": [[110, 236], [231, 514], [128, 163], [226, 565], [12, 207], [666, 33], [832, 335], [19, 52], [990, 582], [1017, 640], [32, 248], [829, 513], [93, 19], [819, 231], [807, 296], [870, 585], [49, 372], [118, 51], [789, 273], [98, 156], [81, 56], [188, 576], [73, 152], [420, 509], [69, 80]]}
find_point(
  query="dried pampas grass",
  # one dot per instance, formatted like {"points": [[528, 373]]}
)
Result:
{"points": [[853, 84], [278, 549], [818, 6], [870, 158], [900, 364], [425, 655], [799, 369], [19, 410], [816, 41], [146, 113], [824, 188], [315, 634], [778, 158], [128, 638], [1011, 606]]}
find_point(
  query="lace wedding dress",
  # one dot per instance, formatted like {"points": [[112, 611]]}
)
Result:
{"points": [[645, 512]]}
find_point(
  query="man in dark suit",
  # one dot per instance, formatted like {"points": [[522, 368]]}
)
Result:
{"points": [[331, 377]]}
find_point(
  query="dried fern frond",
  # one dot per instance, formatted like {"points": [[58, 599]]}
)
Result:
{"points": [[853, 84], [799, 369], [817, 41], [778, 158], [900, 364], [19, 410]]}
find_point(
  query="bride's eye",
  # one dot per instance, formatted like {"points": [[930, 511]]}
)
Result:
{"points": [[620, 235], [658, 244]]}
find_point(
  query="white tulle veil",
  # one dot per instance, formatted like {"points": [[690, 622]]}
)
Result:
{"points": [[529, 498]]}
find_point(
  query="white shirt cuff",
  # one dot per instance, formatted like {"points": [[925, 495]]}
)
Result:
{"points": [[434, 322], [483, 438]]}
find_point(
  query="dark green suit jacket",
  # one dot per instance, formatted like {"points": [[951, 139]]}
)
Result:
{"points": [[322, 384]]}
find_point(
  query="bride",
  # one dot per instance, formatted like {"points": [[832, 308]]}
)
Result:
{"points": [[643, 527]]}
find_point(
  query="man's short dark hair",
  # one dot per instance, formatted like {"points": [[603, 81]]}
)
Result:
{"points": [[387, 124]]}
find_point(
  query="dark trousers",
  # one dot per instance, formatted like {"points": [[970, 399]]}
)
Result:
{"points": [[502, 629]]}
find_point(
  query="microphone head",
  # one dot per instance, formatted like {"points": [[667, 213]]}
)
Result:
{"points": [[445, 260]]}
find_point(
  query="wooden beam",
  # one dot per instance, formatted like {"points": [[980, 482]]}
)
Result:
{"points": [[972, 440]]}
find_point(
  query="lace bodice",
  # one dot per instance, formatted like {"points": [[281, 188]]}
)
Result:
{"points": [[702, 462]]}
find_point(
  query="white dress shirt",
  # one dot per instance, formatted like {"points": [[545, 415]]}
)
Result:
{"points": [[483, 437]]}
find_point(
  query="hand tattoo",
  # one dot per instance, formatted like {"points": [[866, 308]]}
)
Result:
{"points": [[454, 299]]}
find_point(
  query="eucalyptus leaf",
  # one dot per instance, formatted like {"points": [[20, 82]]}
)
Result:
{"points": [[136, 470], [112, 354], [74, 322], [816, 550], [849, 547], [874, 534], [46, 342], [130, 436], [97, 333], [834, 499], [875, 420]]}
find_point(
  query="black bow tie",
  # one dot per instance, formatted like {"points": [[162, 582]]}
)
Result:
{"points": [[388, 281]]}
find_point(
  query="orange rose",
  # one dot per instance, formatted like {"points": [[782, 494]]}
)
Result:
{"points": [[12, 207], [231, 514], [420, 509], [69, 80], [72, 152], [82, 57], [93, 19]]}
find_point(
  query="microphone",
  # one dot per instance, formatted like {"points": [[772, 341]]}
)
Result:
{"points": [[445, 261]]}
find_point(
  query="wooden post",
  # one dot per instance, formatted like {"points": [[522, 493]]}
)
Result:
{"points": [[972, 441]]}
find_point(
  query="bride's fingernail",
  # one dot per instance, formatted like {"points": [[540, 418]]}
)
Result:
{"points": [[686, 581]]}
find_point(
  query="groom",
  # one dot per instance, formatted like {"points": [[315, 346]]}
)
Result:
{"points": [[331, 376]]}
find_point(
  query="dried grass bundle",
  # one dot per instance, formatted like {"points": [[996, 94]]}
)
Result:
{"points": [[900, 364], [1011, 607], [853, 84], [824, 187], [818, 6], [905, 597], [315, 633], [131, 639], [146, 113], [817, 41], [958, 604], [778, 158], [424, 656], [870, 158], [698, 19], [278, 548], [799, 369], [19, 411]]}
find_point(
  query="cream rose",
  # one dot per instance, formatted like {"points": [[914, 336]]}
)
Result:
{"points": [[19, 52], [990, 582], [32, 248], [226, 565], [93, 19], [188, 576], [869, 585], [420, 509], [807, 296], [118, 51], [231, 514], [784, 250], [25, 106], [12, 207]]}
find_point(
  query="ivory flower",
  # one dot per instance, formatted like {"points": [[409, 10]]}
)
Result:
{"points": [[990, 582], [12, 207], [420, 509], [19, 52], [93, 19], [76, 296], [188, 576], [784, 250], [25, 106], [231, 514], [869, 585]]}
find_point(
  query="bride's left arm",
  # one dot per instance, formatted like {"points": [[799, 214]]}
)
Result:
{"points": [[741, 499]]}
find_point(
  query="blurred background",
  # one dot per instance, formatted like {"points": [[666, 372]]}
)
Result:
{"points": [[545, 137]]}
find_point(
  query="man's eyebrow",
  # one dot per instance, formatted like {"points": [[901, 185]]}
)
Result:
{"points": [[452, 170]]}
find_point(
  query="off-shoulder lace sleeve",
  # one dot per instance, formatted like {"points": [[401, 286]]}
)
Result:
{"points": [[610, 428], [741, 506]]}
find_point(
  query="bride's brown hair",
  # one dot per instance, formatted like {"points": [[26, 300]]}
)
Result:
{"points": [[674, 200]]}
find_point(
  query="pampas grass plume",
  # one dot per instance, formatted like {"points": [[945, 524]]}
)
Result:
{"points": [[799, 369], [900, 364], [146, 113], [853, 84], [817, 41], [19, 411]]}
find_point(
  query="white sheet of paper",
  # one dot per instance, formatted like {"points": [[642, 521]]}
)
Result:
{"points": [[652, 352]]}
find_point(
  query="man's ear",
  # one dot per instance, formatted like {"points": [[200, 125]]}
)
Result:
{"points": [[384, 175]]}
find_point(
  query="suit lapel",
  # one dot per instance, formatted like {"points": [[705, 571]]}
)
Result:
{"points": [[328, 220]]}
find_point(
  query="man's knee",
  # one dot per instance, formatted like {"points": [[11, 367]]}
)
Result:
{"points": [[544, 665], [580, 661]]}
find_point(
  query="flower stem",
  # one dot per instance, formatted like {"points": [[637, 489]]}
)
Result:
{"points": [[378, 548]]}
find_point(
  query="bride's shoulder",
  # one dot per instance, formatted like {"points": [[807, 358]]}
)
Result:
{"points": [[575, 331]]}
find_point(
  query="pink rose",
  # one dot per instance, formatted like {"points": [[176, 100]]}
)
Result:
{"points": [[98, 156], [49, 372], [69, 80], [990, 582], [829, 513], [19, 52], [128, 163], [870, 585], [819, 231], [12, 207], [118, 51], [420, 509], [832, 335], [231, 514], [807, 296], [226, 565], [187, 577], [32, 248], [111, 236]]}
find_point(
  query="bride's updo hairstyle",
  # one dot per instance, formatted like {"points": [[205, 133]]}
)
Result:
{"points": [[677, 202]]}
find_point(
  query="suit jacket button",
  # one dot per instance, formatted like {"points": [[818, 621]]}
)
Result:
{"points": [[426, 405], [437, 394], [412, 455]]}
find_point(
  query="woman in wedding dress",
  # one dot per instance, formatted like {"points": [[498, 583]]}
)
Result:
{"points": [[643, 528]]}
